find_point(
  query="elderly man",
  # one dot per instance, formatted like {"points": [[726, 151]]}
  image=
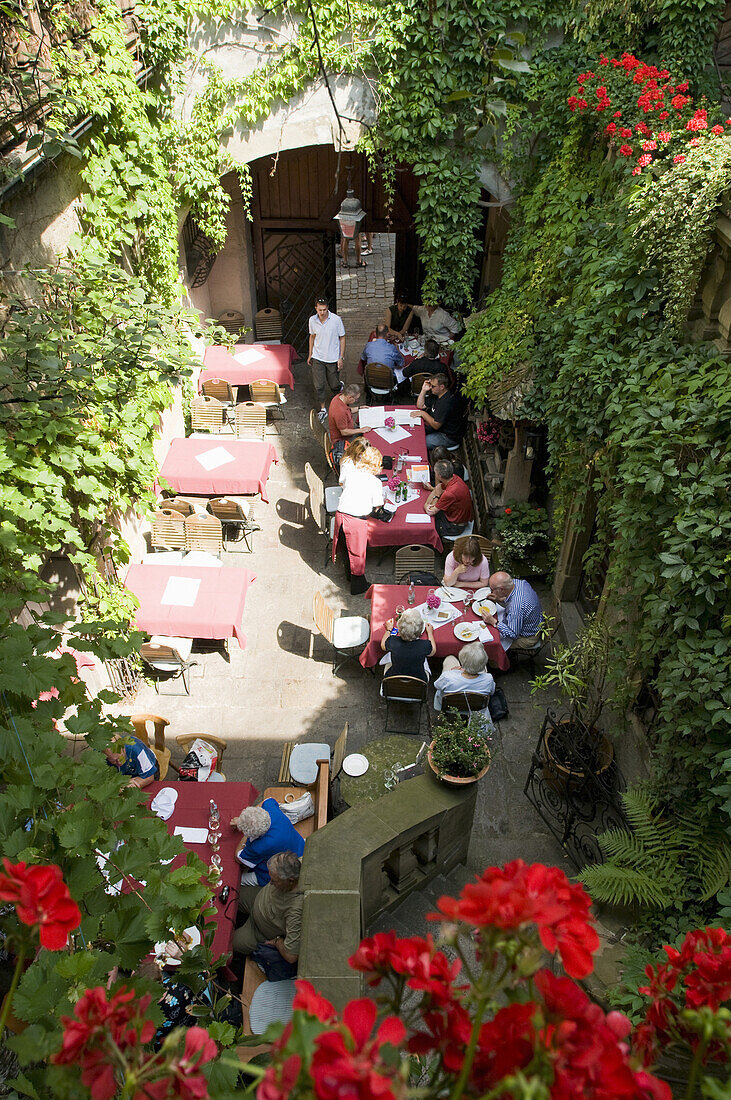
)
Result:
{"points": [[326, 353], [132, 757], [267, 830], [449, 502], [523, 615], [440, 411], [436, 322], [274, 911], [340, 421], [381, 350]]}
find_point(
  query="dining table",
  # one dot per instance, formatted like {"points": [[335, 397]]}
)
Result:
{"points": [[216, 466], [190, 601], [385, 598], [411, 350], [247, 363], [192, 811]]}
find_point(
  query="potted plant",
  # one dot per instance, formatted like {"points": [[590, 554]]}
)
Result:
{"points": [[579, 671], [523, 532], [459, 752]]}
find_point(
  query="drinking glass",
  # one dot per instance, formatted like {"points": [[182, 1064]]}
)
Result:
{"points": [[214, 837], [400, 610], [216, 862], [389, 779]]}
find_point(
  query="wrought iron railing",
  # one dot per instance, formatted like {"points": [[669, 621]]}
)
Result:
{"points": [[574, 783]]}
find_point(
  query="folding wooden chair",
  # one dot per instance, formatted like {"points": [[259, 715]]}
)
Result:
{"points": [[466, 702], [185, 740], [237, 523], [168, 530], [206, 414], [268, 326], [488, 546], [204, 533], [412, 559], [318, 508], [251, 420], [221, 391], [167, 659], [344, 634], [268, 394], [417, 381], [177, 504], [380, 381], [142, 723]]}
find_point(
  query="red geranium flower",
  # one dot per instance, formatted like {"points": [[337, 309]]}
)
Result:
{"points": [[347, 1062], [663, 115], [611, 128], [447, 1031], [664, 135], [506, 1044], [307, 999], [427, 969], [518, 895], [508, 511], [644, 160], [679, 159], [183, 1078], [41, 897], [625, 132], [625, 150], [279, 1080], [716, 130]]}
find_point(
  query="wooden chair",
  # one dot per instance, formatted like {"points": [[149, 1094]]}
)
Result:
{"points": [[268, 394], [206, 414], [168, 659], [221, 391], [317, 427], [177, 504], [185, 740], [466, 702], [163, 760], [322, 515], [237, 523], [411, 559], [417, 381], [168, 530], [203, 533], [141, 722], [346, 634], [409, 690], [380, 381], [328, 449], [268, 326], [251, 420]]}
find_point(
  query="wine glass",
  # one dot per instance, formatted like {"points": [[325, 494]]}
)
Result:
{"points": [[214, 837], [389, 779]]}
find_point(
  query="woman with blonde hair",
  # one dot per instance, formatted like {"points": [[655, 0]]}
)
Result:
{"points": [[362, 494]]}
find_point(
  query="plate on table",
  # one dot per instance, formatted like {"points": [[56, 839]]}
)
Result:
{"points": [[451, 595], [481, 594], [437, 615], [355, 764], [489, 605], [191, 937], [466, 632]]}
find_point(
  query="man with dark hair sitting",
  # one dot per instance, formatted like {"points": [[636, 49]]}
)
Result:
{"points": [[449, 502], [430, 363], [440, 411]]}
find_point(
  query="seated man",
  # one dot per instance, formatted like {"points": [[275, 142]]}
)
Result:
{"points": [[340, 421], [382, 350], [449, 501], [274, 911], [440, 411], [430, 363], [135, 759], [268, 830], [520, 623]]}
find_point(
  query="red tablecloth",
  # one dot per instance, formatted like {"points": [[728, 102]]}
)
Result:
{"points": [[192, 809], [246, 472], [218, 609], [248, 363], [415, 445], [385, 598]]}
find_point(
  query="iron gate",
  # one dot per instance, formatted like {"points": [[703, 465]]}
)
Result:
{"points": [[300, 266]]}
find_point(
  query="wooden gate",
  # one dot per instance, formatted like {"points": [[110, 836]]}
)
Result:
{"points": [[298, 268]]}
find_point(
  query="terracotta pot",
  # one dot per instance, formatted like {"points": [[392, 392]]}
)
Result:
{"points": [[454, 780]]}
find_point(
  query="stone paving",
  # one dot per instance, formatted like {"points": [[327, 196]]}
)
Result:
{"points": [[280, 687]]}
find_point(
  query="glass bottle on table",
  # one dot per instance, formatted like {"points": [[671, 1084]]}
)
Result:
{"points": [[412, 595]]}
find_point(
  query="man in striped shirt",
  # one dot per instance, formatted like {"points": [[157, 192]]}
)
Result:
{"points": [[523, 615]]}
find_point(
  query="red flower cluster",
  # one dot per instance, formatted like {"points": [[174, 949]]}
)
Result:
{"points": [[105, 1027], [428, 970], [347, 1062], [518, 895], [41, 898], [98, 1023], [694, 977], [699, 121]]}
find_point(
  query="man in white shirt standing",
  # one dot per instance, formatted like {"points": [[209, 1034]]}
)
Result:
{"points": [[326, 353]]}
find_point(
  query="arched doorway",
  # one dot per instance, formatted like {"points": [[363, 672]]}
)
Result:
{"points": [[296, 195]]}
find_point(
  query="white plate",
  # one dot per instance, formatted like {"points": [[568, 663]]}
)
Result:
{"points": [[489, 604], [451, 595], [467, 632], [195, 937], [437, 615], [355, 764], [481, 594]]}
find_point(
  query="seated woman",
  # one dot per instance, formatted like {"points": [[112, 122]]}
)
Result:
{"points": [[268, 830], [466, 674], [466, 566], [362, 493], [399, 317], [441, 454], [407, 651]]}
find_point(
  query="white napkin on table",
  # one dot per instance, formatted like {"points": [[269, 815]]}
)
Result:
{"points": [[163, 803]]}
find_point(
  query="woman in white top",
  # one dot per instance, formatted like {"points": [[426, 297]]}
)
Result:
{"points": [[466, 674], [362, 493], [466, 566]]}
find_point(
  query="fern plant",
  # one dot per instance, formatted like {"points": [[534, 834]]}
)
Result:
{"points": [[661, 861]]}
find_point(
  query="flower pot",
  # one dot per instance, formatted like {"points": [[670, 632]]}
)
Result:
{"points": [[454, 780], [560, 773]]}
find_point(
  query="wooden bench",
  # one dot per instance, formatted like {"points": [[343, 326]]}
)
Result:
{"points": [[253, 975]]}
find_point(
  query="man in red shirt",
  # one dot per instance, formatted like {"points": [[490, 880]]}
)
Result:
{"points": [[340, 420], [449, 501]]}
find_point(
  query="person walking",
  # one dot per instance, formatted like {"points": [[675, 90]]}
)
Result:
{"points": [[326, 354]]}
